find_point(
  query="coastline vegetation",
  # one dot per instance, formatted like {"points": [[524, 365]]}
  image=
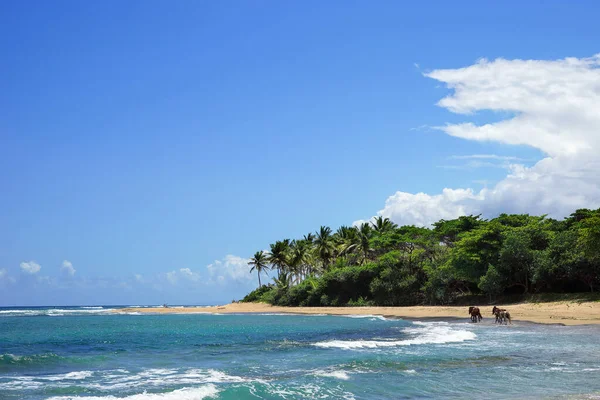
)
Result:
{"points": [[379, 263]]}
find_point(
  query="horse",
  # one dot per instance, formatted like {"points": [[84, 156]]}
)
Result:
{"points": [[502, 316], [475, 314], [496, 311]]}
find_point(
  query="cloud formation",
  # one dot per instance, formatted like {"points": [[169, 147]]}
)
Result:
{"points": [[230, 268], [67, 268], [185, 274], [552, 105], [30, 267]]}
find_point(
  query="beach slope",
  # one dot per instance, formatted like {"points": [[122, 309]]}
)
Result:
{"points": [[562, 312]]}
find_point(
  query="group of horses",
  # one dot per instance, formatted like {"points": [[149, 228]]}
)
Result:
{"points": [[502, 316]]}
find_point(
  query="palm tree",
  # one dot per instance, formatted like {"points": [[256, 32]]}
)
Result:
{"points": [[357, 241], [299, 258], [281, 281], [324, 245], [259, 263], [278, 256], [344, 233], [382, 225], [309, 238], [364, 233]]}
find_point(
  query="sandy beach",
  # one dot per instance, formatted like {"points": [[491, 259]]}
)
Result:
{"points": [[566, 313]]}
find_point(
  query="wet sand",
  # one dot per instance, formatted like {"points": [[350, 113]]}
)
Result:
{"points": [[562, 312]]}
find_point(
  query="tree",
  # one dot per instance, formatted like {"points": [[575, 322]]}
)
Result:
{"points": [[492, 282], [380, 263], [363, 246], [278, 256], [381, 225], [449, 231], [324, 246], [590, 238], [299, 258], [475, 250], [259, 263]]}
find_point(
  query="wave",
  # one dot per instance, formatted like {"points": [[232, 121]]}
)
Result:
{"points": [[195, 393], [423, 333], [372, 317], [55, 312], [120, 379], [76, 375], [333, 374], [12, 359]]}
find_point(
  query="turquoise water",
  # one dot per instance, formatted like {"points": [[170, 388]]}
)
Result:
{"points": [[91, 353]]}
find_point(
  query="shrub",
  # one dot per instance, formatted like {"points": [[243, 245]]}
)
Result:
{"points": [[257, 294]]}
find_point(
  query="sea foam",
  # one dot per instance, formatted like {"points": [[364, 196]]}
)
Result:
{"points": [[333, 374], [76, 375], [55, 312], [370, 316], [422, 333], [196, 393]]}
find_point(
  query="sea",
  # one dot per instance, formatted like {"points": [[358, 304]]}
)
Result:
{"points": [[63, 353]]}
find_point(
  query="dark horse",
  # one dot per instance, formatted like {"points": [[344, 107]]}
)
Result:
{"points": [[475, 314], [502, 316]]}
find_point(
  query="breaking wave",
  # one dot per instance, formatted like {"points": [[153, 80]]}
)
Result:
{"points": [[420, 332], [196, 393], [55, 312], [13, 360], [333, 374], [371, 317], [121, 379]]}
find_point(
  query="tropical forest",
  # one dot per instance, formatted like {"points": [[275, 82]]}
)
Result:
{"points": [[380, 263]]}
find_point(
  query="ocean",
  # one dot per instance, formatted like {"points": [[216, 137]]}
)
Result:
{"points": [[91, 353]]}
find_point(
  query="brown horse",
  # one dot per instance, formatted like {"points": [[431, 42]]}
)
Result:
{"points": [[475, 314], [502, 316]]}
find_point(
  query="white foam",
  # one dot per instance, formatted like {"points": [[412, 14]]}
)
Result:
{"points": [[77, 311], [423, 333], [379, 317], [197, 393], [117, 380], [333, 374], [120, 379], [76, 375], [17, 311], [56, 312]]}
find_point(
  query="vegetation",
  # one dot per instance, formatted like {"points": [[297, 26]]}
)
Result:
{"points": [[379, 263]]}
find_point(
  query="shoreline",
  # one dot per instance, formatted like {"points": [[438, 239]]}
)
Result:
{"points": [[551, 313]]}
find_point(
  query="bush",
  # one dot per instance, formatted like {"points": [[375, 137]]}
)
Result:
{"points": [[257, 294]]}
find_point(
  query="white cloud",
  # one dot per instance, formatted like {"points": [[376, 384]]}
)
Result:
{"points": [[230, 268], [3, 273], [67, 268], [189, 274], [172, 277], [422, 209], [30, 267], [551, 106], [185, 274], [138, 278], [495, 157]]}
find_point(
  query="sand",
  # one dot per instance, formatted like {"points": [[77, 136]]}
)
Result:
{"points": [[563, 312]]}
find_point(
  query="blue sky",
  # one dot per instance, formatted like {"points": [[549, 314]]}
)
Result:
{"points": [[147, 148]]}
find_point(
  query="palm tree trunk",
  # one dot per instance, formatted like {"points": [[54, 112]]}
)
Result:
{"points": [[259, 284]]}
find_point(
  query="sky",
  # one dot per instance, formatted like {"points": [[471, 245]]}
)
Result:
{"points": [[149, 148]]}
